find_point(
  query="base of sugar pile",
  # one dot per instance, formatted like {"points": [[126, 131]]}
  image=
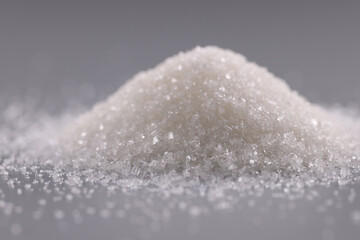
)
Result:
{"points": [[205, 125]]}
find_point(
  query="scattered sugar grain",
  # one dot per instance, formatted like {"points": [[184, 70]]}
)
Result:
{"points": [[59, 214], [16, 229], [355, 217]]}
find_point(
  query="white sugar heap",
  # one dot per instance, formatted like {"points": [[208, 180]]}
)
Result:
{"points": [[209, 112]]}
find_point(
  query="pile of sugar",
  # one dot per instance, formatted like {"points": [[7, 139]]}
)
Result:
{"points": [[209, 112], [245, 136]]}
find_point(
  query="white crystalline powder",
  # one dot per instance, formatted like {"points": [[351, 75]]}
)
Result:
{"points": [[205, 131], [209, 112]]}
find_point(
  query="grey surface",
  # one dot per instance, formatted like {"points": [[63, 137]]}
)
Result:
{"points": [[87, 49], [326, 217]]}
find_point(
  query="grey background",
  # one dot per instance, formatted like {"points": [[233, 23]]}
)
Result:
{"points": [[84, 50], [60, 47]]}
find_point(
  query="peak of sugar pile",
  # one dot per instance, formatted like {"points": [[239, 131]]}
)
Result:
{"points": [[209, 112]]}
